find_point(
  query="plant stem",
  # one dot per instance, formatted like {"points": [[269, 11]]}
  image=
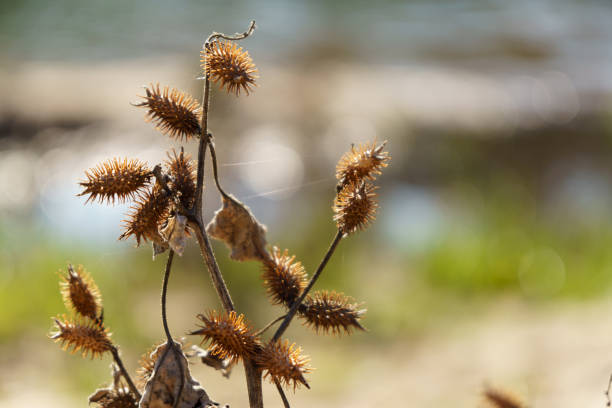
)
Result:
{"points": [[202, 149], [213, 268], [298, 302], [213, 156], [253, 374], [267, 326], [128, 379], [163, 297], [282, 394]]}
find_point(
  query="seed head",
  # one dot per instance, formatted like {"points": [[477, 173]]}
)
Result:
{"points": [[228, 334], [362, 162], [115, 179], [174, 113], [114, 398], [355, 207], [283, 278], [226, 63], [331, 312], [80, 292], [148, 212], [182, 171], [82, 334], [501, 399], [282, 362]]}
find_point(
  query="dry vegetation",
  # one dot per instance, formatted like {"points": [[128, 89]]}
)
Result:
{"points": [[167, 211]]}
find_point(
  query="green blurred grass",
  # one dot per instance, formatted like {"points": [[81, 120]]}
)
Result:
{"points": [[472, 260]]}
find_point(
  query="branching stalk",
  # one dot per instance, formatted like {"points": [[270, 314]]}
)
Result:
{"points": [[115, 352], [294, 308]]}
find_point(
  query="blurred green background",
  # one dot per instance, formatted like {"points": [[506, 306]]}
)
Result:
{"points": [[489, 260]]}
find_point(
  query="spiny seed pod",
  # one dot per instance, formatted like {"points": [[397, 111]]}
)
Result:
{"points": [[174, 113], [115, 179], [228, 334], [148, 212], [355, 207], [82, 334], [182, 171], [114, 398], [282, 362], [148, 360], [226, 63], [362, 162], [283, 278], [80, 293], [331, 312], [500, 399]]}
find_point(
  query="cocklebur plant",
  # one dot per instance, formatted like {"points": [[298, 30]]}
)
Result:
{"points": [[167, 212]]}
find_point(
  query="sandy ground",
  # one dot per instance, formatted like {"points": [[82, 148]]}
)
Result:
{"points": [[550, 358]]}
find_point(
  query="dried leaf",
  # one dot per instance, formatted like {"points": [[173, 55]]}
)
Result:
{"points": [[171, 380], [235, 225], [175, 233]]}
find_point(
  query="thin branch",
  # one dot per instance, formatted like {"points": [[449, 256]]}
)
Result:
{"points": [[163, 296], [267, 326], [202, 149], [213, 267], [115, 352], [298, 302], [235, 37], [282, 394], [213, 156]]}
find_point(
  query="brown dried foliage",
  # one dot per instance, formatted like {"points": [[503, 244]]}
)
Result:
{"points": [[80, 292], [148, 359], [501, 399], [149, 211], [362, 162], [331, 312], [355, 207], [282, 362], [284, 278], [183, 176], [235, 224], [82, 334], [230, 66], [228, 334], [174, 113], [115, 179]]}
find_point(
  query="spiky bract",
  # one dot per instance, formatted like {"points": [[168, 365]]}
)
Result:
{"points": [[230, 66], [355, 207], [284, 279], [115, 179], [331, 312], [282, 362], [496, 398], [362, 162], [80, 292], [82, 334], [146, 215], [228, 334], [114, 398], [174, 113], [183, 177]]}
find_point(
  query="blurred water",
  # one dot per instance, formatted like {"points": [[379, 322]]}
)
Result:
{"points": [[566, 35]]}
